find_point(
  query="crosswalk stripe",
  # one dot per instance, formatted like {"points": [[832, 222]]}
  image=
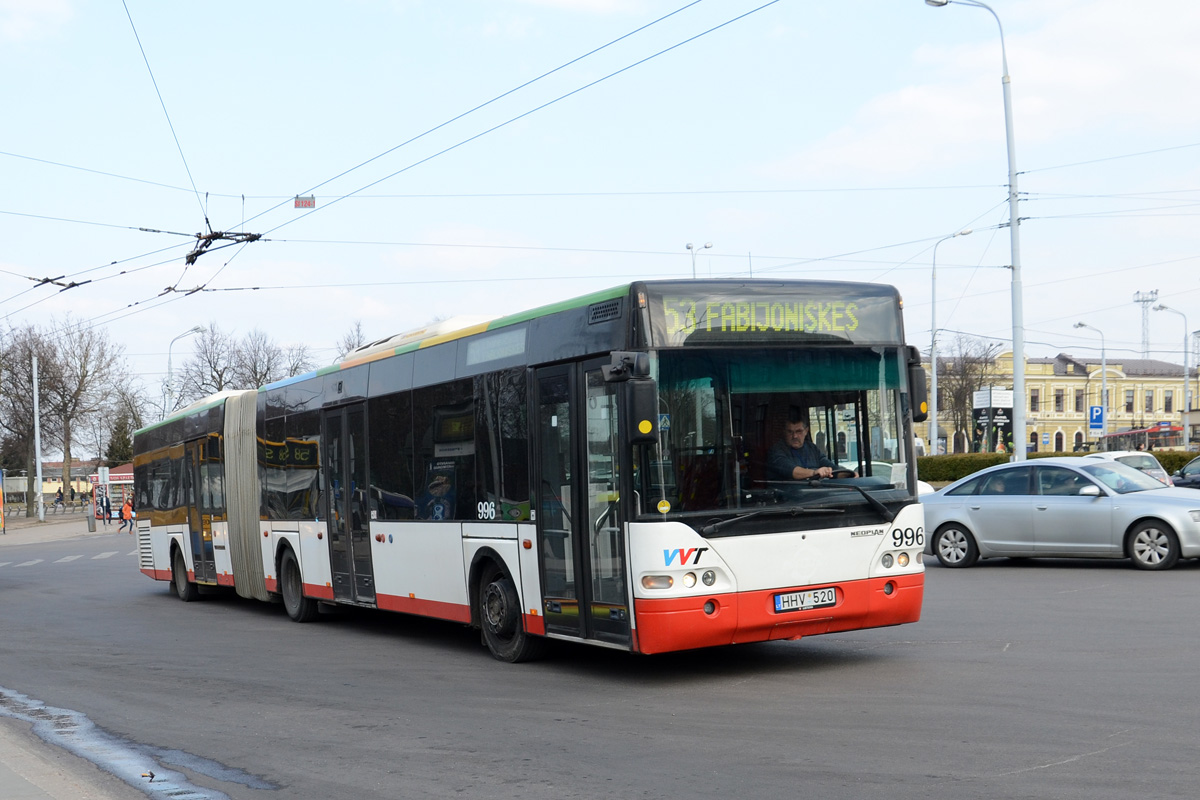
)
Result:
{"points": [[65, 559], [30, 563], [109, 554], [4, 563]]}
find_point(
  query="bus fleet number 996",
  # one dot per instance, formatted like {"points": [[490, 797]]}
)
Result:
{"points": [[908, 537]]}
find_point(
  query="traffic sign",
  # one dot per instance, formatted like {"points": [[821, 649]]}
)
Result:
{"points": [[1095, 418]]}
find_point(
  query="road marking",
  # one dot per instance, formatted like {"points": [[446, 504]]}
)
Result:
{"points": [[4, 563], [65, 559], [109, 554], [132, 553], [30, 563]]}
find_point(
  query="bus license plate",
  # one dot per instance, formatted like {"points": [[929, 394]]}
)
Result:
{"points": [[800, 601]]}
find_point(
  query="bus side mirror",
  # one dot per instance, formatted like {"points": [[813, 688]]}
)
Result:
{"points": [[625, 366], [641, 409], [918, 394]]}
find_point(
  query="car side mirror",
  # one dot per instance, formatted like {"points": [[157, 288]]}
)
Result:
{"points": [[1177, 473], [1091, 490]]}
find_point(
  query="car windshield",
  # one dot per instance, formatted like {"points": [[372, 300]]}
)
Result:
{"points": [[1121, 478], [723, 414]]}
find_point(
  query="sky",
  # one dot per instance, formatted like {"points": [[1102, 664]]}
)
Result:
{"points": [[482, 158]]}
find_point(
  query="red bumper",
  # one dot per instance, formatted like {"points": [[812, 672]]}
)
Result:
{"points": [[683, 623]]}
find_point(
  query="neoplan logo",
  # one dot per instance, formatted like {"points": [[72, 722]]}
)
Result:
{"points": [[685, 556]]}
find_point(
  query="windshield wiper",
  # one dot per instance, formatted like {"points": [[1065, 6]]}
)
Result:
{"points": [[791, 511], [873, 502]]}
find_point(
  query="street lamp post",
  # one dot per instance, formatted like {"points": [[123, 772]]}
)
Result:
{"points": [[1103, 375], [933, 331], [1184, 404], [693, 248], [169, 389], [1018, 313]]}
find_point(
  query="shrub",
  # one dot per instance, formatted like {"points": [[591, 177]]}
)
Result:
{"points": [[948, 468]]}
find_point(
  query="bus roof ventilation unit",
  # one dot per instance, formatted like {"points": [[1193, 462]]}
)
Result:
{"points": [[603, 312]]}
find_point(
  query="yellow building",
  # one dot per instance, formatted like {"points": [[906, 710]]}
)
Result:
{"points": [[1142, 393]]}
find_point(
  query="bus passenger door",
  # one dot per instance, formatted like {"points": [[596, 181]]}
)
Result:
{"points": [[204, 562], [580, 531], [346, 506], [605, 561]]}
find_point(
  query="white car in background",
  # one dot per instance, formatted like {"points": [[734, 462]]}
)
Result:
{"points": [[1137, 459]]}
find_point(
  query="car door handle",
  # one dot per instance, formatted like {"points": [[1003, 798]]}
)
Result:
{"points": [[1042, 508], [975, 508]]}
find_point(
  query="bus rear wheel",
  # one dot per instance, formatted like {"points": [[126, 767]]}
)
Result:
{"points": [[291, 586], [186, 590], [500, 618]]}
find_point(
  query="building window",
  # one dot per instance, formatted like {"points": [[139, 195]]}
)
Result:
{"points": [[1058, 442], [1059, 402], [1129, 401], [1078, 441], [1168, 400], [1033, 400], [1149, 400], [1079, 400]]}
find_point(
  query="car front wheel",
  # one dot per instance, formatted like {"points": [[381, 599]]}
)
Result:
{"points": [[1153, 545], [955, 546]]}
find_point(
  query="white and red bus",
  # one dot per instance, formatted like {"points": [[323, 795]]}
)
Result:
{"points": [[592, 471]]}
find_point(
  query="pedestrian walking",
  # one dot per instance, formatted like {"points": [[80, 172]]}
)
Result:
{"points": [[126, 517]]}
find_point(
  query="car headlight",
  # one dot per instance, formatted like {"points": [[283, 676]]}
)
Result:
{"points": [[1195, 516]]}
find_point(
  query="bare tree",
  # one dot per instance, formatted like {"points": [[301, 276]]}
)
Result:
{"points": [[297, 360], [257, 361], [211, 368], [970, 364], [85, 380], [350, 340], [17, 350]]}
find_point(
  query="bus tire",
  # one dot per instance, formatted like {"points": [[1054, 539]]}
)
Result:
{"points": [[185, 589], [1152, 545], [291, 586], [500, 617], [954, 546]]}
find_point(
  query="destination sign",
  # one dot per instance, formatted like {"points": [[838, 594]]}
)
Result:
{"points": [[291, 453], [713, 315]]}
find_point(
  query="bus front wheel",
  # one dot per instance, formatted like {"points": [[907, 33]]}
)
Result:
{"points": [[500, 618]]}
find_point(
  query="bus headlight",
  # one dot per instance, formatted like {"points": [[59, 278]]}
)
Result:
{"points": [[709, 578], [657, 581], [902, 559], [689, 580], [887, 560]]}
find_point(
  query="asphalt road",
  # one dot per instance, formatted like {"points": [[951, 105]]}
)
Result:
{"points": [[1046, 679]]}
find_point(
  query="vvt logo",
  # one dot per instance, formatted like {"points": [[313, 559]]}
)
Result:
{"points": [[685, 556]]}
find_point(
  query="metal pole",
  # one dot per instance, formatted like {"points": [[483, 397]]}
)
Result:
{"points": [[37, 445], [693, 248], [1020, 403], [1183, 411], [933, 331], [169, 389]]}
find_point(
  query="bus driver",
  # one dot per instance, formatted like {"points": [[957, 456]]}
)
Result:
{"points": [[796, 458]]}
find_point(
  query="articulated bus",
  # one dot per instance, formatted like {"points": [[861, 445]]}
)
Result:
{"points": [[592, 471]]}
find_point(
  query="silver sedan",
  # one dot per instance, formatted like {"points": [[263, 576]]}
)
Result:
{"points": [[1062, 508]]}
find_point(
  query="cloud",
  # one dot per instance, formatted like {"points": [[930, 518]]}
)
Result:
{"points": [[30, 20], [1081, 68]]}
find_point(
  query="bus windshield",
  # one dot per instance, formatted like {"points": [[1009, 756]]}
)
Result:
{"points": [[723, 413]]}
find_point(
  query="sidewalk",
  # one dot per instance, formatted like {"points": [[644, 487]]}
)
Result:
{"points": [[30, 769], [29, 530]]}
